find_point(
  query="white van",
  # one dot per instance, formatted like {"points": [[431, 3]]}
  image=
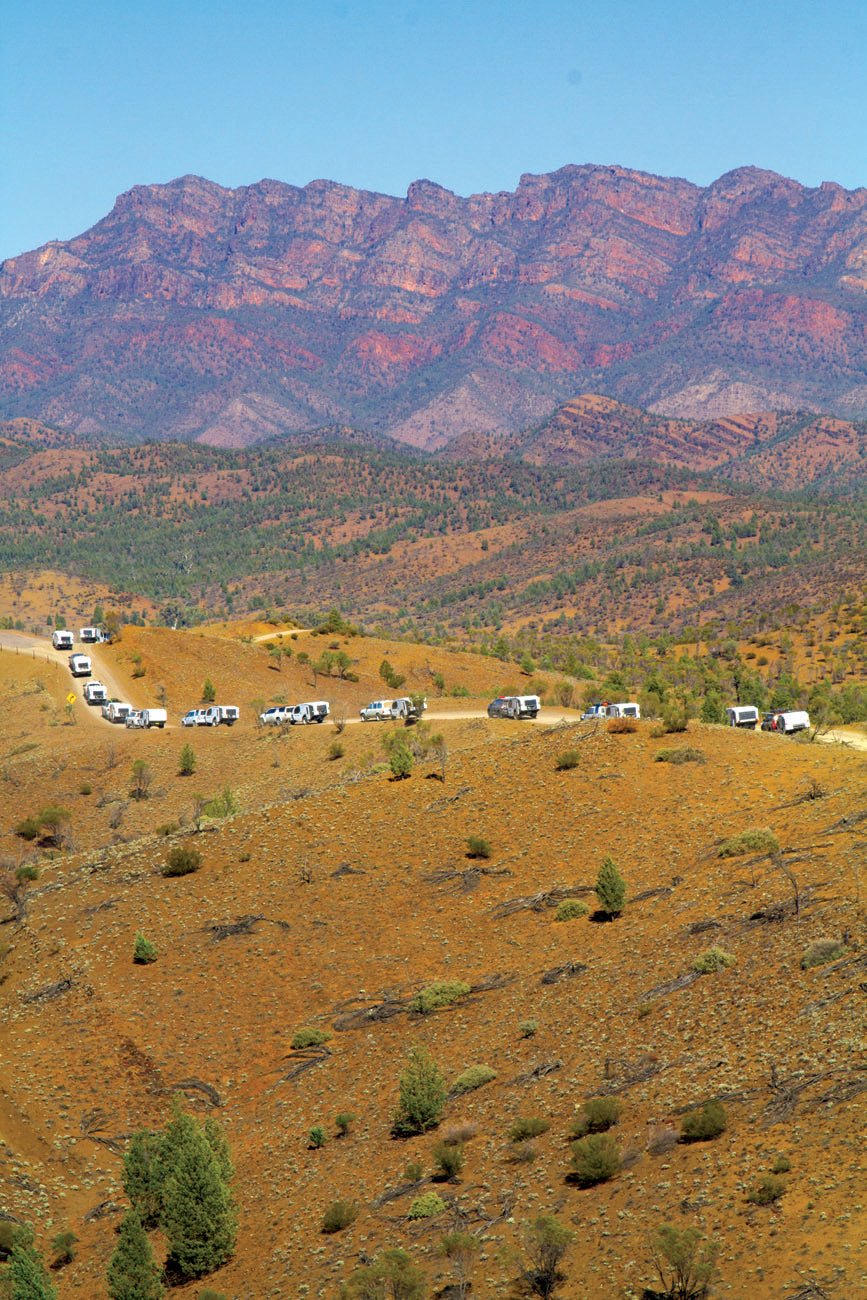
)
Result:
{"points": [[628, 709], [154, 717], [62, 639], [88, 634], [95, 693], [742, 715], [315, 711], [79, 665]]}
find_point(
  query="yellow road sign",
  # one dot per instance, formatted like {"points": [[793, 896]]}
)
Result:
{"points": [[71, 697]]}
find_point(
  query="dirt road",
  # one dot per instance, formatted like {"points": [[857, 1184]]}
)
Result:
{"points": [[848, 738], [35, 647]]}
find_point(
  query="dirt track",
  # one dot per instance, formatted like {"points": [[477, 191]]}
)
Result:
{"points": [[22, 643]]}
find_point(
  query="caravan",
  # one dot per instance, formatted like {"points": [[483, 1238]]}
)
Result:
{"points": [[79, 665], [315, 711], [95, 693], [742, 715], [62, 639]]}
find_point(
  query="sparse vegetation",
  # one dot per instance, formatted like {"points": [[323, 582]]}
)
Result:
{"points": [[528, 1028], [685, 1262], [335, 751], [475, 1076], [610, 889], [343, 1122], [182, 860], [449, 1160], [683, 754], [391, 1276], [478, 847], [569, 759], [547, 1241], [821, 951], [461, 1249], [595, 1159], [442, 993], [570, 909]]}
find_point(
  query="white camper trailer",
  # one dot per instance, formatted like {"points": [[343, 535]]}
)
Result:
{"points": [[313, 711], [742, 715], [62, 639], [79, 665]]}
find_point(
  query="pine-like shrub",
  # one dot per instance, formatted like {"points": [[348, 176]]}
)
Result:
{"points": [[422, 1094], [595, 1159], [610, 889], [133, 1273], [144, 952]]}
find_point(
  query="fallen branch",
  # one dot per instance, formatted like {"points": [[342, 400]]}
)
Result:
{"points": [[670, 986], [538, 902], [566, 972], [538, 1072]]}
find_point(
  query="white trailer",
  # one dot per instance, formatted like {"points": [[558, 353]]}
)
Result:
{"points": [[89, 635], [313, 711], [787, 723], [408, 710], [742, 715], [116, 710], [62, 639], [95, 693], [229, 714], [154, 717], [627, 709], [79, 665]]}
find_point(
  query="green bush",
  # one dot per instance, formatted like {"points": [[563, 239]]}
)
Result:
{"points": [[63, 1246], [473, 1077], [684, 1260], [187, 765], [26, 873], [674, 717], [821, 951], [595, 1159], [706, 1122], [477, 847], [307, 1037], [442, 993], [422, 1094], [209, 1294], [570, 909], [597, 1116], [343, 1122], [426, 1206], [182, 860], [683, 754], [569, 759], [610, 889], [28, 829], [144, 951], [781, 1165], [317, 1137], [449, 1159], [529, 1126], [335, 751], [400, 760], [712, 960], [527, 1028], [754, 841], [768, 1189], [339, 1215]]}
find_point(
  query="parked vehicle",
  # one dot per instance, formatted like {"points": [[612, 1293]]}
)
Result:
{"points": [[314, 711], [504, 706], [135, 718], [79, 665], [229, 714], [275, 716], [89, 635], [627, 709], [786, 723], [528, 705], [408, 710], [594, 712], [377, 711], [95, 692], [190, 718], [62, 639], [116, 710], [742, 715], [206, 717], [154, 717]]}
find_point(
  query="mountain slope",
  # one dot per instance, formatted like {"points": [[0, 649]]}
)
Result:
{"points": [[197, 312]]}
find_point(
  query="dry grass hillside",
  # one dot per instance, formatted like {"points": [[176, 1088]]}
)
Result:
{"points": [[335, 894]]}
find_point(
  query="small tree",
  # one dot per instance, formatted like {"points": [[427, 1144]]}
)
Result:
{"points": [[610, 889], [392, 1276], [547, 1242], [461, 1249], [595, 1159], [143, 1176], [209, 692], [187, 764], [198, 1216], [684, 1260], [141, 779], [422, 1094], [63, 1246], [400, 760], [133, 1273], [144, 952], [26, 1277]]}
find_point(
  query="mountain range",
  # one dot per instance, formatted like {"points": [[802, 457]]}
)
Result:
{"points": [[196, 312]]}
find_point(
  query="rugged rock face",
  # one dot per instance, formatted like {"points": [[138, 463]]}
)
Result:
{"points": [[198, 312]]}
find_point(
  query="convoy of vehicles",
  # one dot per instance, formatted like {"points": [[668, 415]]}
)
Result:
{"points": [[625, 709], [295, 714], [514, 706], [405, 709]]}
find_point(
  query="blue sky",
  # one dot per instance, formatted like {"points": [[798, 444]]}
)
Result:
{"points": [[97, 97]]}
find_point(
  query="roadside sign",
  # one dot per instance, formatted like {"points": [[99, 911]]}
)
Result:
{"points": [[71, 697]]}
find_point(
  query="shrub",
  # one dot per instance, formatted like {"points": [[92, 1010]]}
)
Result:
{"points": [[706, 1122], [400, 760], [473, 1077], [187, 764], [460, 1249], [478, 847], [527, 1028], [442, 993], [144, 951], [712, 960], [569, 759], [335, 751], [26, 873], [422, 1094], [85, 788], [598, 1115], [674, 717], [781, 1165], [209, 692], [343, 1122], [222, 805], [182, 860], [209, 1294], [133, 1271], [595, 1159], [570, 909], [822, 951], [63, 1246], [610, 889], [317, 1137], [684, 1260], [754, 841], [392, 1274], [529, 1126], [28, 829], [547, 1242], [339, 1215], [684, 754], [307, 1037], [768, 1189], [449, 1159], [426, 1206]]}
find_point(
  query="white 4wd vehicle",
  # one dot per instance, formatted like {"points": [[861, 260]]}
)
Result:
{"points": [[274, 717], [377, 711]]}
